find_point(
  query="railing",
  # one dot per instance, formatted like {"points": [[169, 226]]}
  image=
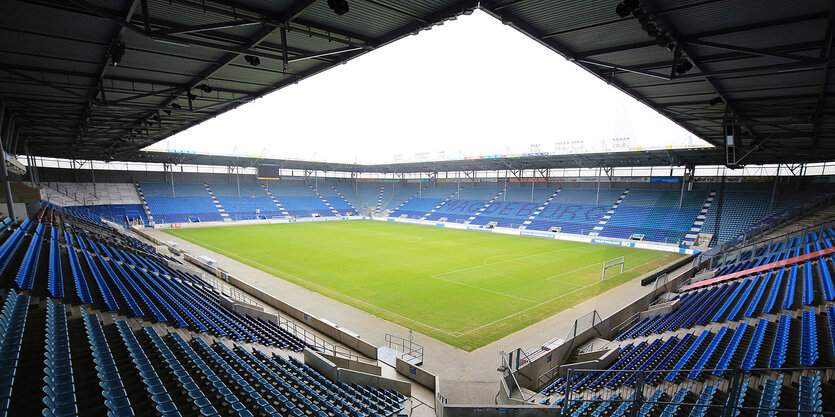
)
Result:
{"points": [[625, 324], [731, 387], [583, 323], [230, 290], [405, 346], [320, 344], [660, 281]]}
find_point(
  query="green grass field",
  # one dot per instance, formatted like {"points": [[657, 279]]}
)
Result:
{"points": [[461, 287]]}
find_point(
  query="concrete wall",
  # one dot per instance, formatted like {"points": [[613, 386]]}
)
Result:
{"points": [[490, 410], [362, 378], [353, 365], [333, 372], [417, 374], [320, 364], [602, 362]]}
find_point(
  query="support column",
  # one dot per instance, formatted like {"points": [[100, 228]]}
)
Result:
{"points": [[4, 174], [533, 182], [774, 190], [93, 176]]}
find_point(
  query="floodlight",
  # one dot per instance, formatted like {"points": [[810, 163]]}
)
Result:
{"points": [[205, 88], [683, 67], [339, 7], [117, 51], [622, 10], [252, 60]]}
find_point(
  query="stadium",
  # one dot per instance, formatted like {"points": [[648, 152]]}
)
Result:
{"points": [[625, 280]]}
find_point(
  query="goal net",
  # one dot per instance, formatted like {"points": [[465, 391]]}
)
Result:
{"points": [[611, 263]]}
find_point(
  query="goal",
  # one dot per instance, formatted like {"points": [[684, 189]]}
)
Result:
{"points": [[612, 263]]}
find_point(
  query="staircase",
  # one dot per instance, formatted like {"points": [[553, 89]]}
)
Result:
{"points": [[484, 207], [539, 209], [691, 235], [277, 203], [144, 204], [321, 197], [346, 200], [609, 214], [380, 199], [217, 204], [439, 204]]}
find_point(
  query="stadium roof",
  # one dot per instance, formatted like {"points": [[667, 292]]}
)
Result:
{"points": [[101, 79], [641, 158]]}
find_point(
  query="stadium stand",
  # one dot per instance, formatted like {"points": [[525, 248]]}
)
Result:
{"points": [[336, 200], [575, 210], [367, 195], [299, 200], [68, 194], [182, 203], [651, 214], [654, 214], [725, 341], [739, 209], [96, 364], [245, 203], [402, 192]]}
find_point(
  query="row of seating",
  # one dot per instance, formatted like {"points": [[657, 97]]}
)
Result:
{"points": [[131, 281], [777, 251], [741, 347], [746, 297], [93, 368], [693, 401]]}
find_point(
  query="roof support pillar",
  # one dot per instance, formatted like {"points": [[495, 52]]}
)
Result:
{"points": [[4, 174]]}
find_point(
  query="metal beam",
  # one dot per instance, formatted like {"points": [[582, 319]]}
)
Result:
{"points": [[826, 52], [753, 51], [650, 7], [202, 28], [706, 34]]}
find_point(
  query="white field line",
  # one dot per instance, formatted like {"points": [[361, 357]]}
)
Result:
{"points": [[548, 301], [500, 262], [570, 272], [437, 276], [238, 257], [483, 289]]}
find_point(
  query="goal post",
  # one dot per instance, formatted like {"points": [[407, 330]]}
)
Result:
{"points": [[610, 264]]}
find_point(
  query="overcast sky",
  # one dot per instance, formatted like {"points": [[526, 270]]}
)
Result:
{"points": [[470, 87]]}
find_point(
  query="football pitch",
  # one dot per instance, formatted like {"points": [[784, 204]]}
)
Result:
{"points": [[462, 287]]}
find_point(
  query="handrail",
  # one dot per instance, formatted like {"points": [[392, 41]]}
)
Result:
{"points": [[311, 339], [414, 350]]}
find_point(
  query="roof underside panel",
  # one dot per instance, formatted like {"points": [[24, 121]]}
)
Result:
{"points": [[101, 79]]}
